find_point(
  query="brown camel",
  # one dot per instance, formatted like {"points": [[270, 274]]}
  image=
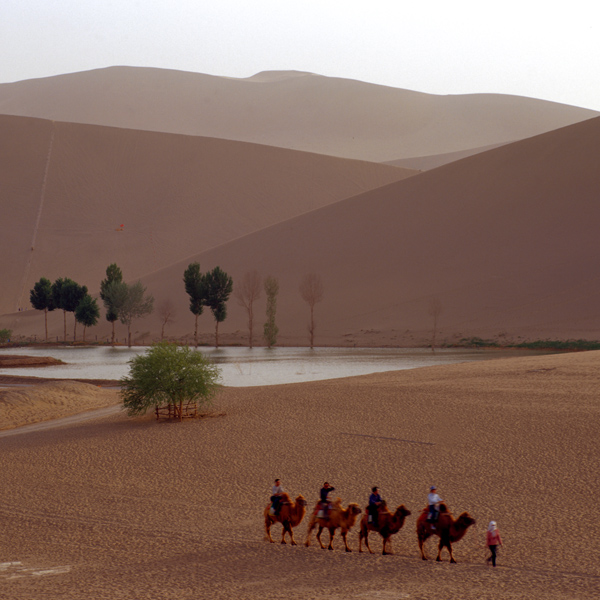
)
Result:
{"points": [[290, 515], [387, 525], [344, 518], [447, 528]]}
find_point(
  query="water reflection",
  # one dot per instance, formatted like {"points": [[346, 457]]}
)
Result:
{"points": [[259, 366]]}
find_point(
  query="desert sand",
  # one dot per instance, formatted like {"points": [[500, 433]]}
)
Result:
{"points": [[500, 228], [288, 109], [506, 240], [116, 507], [79, 197], [44, 401]]}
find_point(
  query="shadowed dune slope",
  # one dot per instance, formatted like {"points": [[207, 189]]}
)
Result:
{"points": [[507, 240], [296, 110], [77, 197]]}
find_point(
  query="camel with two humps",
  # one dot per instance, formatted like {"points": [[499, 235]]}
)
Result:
{"points": [[342, 518], [290, 515], [448, 529], [388, 524]]}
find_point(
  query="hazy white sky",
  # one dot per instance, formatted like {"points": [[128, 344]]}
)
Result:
{"points": [[536, 48]]}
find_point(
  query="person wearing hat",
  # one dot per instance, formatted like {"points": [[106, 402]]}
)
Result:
{"points": [[375, 501], [493, 540], [433, 502]]}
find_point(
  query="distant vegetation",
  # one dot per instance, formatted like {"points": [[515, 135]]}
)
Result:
{"points": [[477, 342], [5, 335]]}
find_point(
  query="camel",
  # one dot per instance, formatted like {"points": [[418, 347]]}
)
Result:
{"points": [[290, 515], [344, 518], [447, 528], [387, 525]]}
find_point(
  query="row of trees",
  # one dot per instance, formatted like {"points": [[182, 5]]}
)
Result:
{"points": [[69, 296], [126, 302], [122, 301]]}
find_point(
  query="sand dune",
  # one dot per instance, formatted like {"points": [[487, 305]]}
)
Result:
{"points": [[294, 110], [506, 240], [79, 197], [131, 508], [433, 161], [51, 400]]}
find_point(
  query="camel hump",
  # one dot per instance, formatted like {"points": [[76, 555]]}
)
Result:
{"points": [[285, 498]]}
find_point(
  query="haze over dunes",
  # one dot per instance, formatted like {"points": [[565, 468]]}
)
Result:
{"points": [[504, 239], [288, 109]]}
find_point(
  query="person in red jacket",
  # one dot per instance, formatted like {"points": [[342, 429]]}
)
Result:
{"points": [[493, 541]]}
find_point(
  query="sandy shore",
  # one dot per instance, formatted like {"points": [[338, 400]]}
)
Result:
{"points": [[130, 508]]}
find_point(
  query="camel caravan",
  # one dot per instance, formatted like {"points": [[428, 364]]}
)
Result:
{"points": [[330, 515]]}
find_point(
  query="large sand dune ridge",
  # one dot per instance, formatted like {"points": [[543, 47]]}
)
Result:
{"points": [[303, 111], [76, 198]]}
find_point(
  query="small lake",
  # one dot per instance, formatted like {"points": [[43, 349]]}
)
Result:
{"points": [[260, 366]]}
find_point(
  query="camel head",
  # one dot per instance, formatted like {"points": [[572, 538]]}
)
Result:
{"points": [[402, 511], [300, 501], [354, 509], [465, 520]]}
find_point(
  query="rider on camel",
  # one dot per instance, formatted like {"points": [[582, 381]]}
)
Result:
{"points": [[325, 502], [276, 493], [433, 503], [375, 501]]}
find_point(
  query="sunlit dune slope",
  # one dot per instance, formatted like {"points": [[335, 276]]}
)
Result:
{"points": [[506, 240], [296, 110], [75, 198]]}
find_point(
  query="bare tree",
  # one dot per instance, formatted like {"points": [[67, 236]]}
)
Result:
{"points": [[435, 310], [311, 290], [246, 293], [166, 312]]}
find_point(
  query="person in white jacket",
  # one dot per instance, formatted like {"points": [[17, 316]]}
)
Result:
{"points": [[433, 502]]}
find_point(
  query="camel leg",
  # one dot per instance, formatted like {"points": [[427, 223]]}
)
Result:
{"points": [[319, 537], [344, 534], [268, 524], [440, 548], [367, 542], [291, 532], [422, 547], [451, 553], [386, 540], [283, 533], [331, 534], [311, 526]]}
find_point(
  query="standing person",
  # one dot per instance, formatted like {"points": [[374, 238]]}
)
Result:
{"points": [[325, 501], [276, 493], [433, 502], [493, 540], [375, 501]]}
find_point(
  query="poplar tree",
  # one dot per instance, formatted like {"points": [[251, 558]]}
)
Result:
{"points": [[246, 294], [41, 299], [67, 295], [218, 288], [113, 274], [87, 313], [270, 329], [311, 290], [195, 287]]}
